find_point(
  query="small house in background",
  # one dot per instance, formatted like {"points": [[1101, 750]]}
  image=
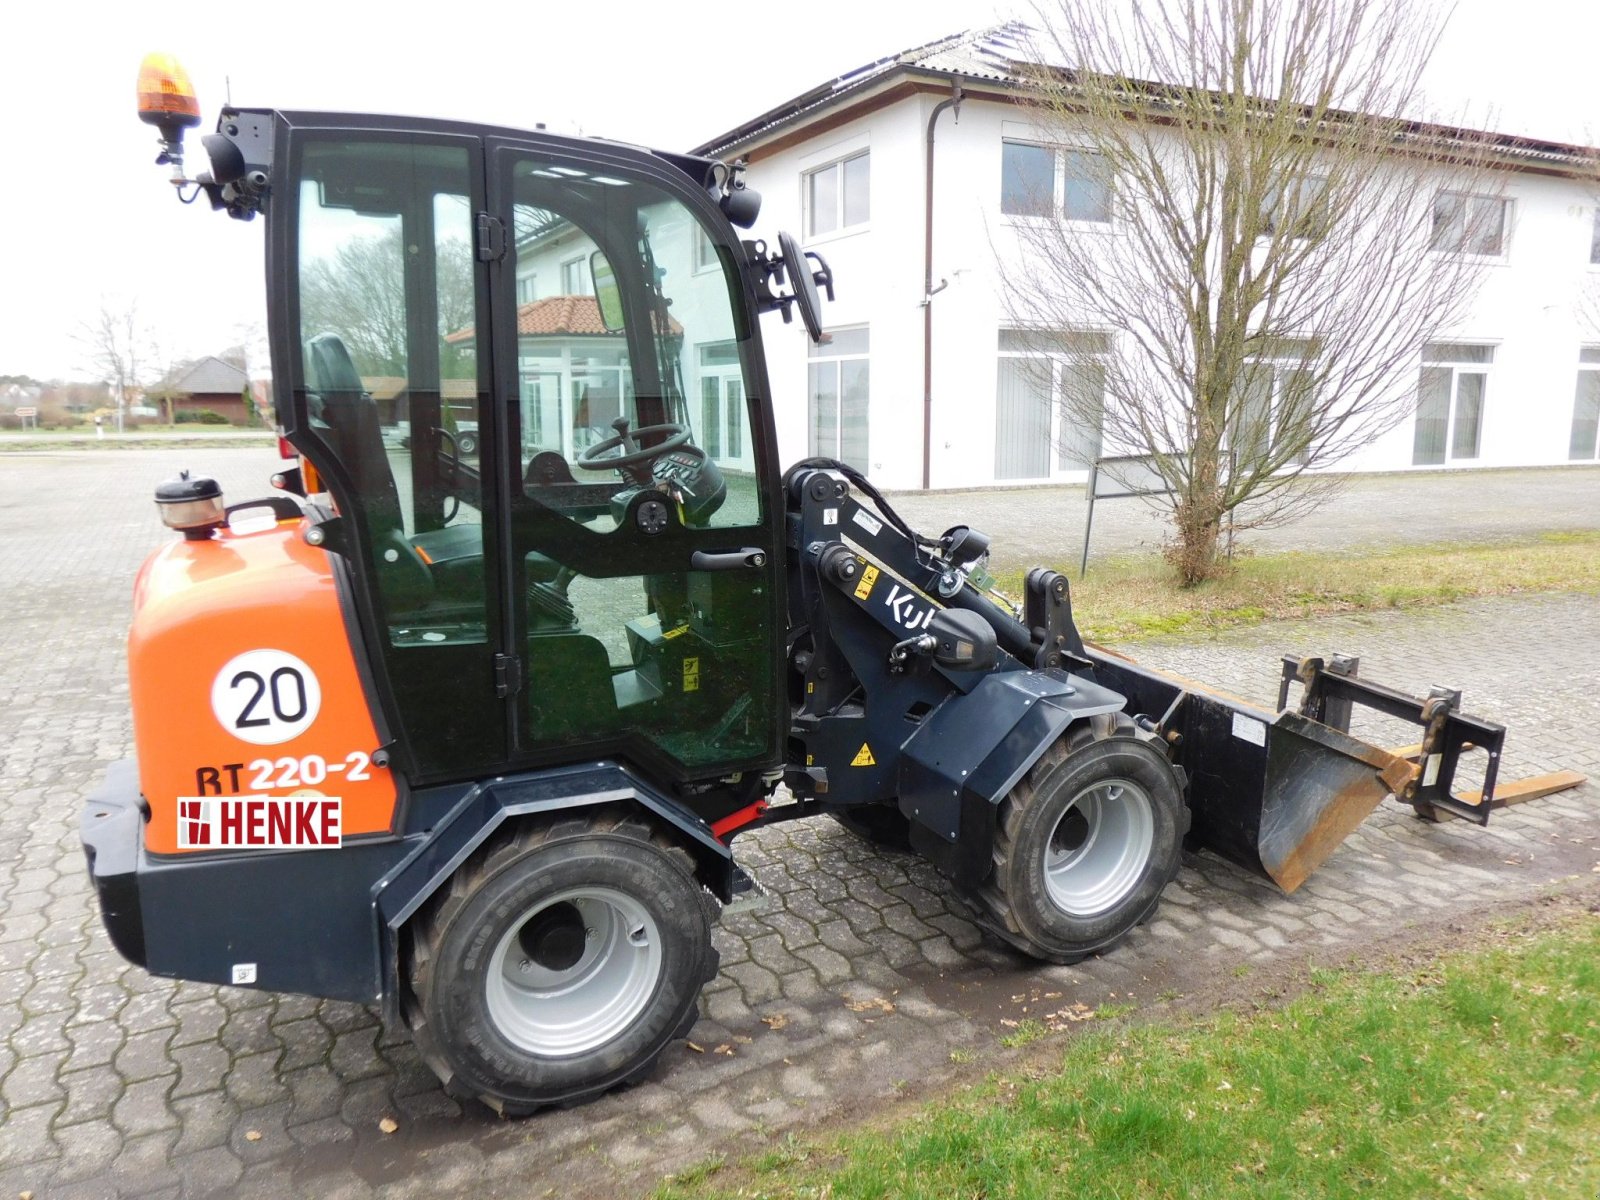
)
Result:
{"points": [[208, 384]]}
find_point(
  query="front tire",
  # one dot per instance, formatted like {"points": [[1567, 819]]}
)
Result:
{"points": [[1085, 843], [560, 962]]}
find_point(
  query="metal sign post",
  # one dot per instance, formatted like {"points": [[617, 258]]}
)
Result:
{"points": [[1130, 475]]}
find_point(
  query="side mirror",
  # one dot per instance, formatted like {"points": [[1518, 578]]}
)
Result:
{"points": [[606, 292], [804, 284], [963, 641]]}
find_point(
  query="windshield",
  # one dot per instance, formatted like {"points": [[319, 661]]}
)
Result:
{"points": [[626, 309]]}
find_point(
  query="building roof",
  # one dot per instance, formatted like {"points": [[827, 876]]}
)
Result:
{"points": [[209, 376], [571, 316], [388, 387], [991, 53], [1000, 56]]}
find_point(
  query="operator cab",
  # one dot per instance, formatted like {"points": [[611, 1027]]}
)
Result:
{"points": [[524, 376], [529, 381]]}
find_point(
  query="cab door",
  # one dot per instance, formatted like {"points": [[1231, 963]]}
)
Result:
{"points": [[380, 312], [643, 594]]}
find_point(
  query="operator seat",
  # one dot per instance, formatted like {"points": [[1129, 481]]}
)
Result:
{"points": [[344, 413]]}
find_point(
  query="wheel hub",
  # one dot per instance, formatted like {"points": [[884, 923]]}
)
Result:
{"points": [[554, 937], [574, 972], [1100, 847]]}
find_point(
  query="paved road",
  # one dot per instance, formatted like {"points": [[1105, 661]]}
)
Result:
{"points": [[860, 978]]}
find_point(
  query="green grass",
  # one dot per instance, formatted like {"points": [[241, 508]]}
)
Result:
{"points": [[1134, 597], [1477, 1077]]}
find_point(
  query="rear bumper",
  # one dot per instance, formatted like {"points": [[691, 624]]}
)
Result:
{"points": [[112, 826]]}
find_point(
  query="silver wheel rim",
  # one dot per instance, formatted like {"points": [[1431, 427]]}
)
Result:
{"points": [[1099, 848], [557, 1009]]}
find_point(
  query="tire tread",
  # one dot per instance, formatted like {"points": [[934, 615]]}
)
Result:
{"points": [[503, 848]]}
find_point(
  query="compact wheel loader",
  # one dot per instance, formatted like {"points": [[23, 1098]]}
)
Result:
{"points": [[465, 728]]}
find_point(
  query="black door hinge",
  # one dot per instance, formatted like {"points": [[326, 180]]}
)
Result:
{"points": [[507, 675], [491, 238]]}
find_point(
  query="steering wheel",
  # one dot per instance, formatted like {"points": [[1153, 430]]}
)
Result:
{"points": [[633, 456]]}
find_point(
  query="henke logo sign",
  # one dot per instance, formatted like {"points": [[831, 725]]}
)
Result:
{"points": [[259, 822]]}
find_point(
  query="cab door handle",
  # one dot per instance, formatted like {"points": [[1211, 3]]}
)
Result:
{"points": [[750, 558]]}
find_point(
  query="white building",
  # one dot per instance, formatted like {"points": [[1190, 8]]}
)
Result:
{"points": [[921, 385]]}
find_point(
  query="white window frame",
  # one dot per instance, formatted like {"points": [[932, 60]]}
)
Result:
{"points": [[1458, 368], [727, 439], [1507, 208], [1281, 360], [844, 227], [585, 279], [1594, 239], [527, 288], [1058, 188], [823, 355], [1058, 362], [1588, 373], [705, 251], [1303, 207]]}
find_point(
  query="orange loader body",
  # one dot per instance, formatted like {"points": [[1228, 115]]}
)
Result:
{"points": [[204, 728]]}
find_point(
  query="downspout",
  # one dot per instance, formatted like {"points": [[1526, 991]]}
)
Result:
{"points": [[928, 290]]}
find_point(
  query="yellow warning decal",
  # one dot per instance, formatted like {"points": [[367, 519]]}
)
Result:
{"points": [[691, 674], [868, 578], [678, 632], [864, 757]]}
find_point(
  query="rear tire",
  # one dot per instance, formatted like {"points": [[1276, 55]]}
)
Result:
{"points": [[560, 962], [1085, 843]]}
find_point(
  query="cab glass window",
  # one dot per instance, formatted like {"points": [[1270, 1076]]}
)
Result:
{"points": [[638, 357]]}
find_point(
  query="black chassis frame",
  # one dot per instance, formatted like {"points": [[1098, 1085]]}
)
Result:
{"points": [[945, 745]]}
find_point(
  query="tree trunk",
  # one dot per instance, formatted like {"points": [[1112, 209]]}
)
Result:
{"points": [[1198, 517]]}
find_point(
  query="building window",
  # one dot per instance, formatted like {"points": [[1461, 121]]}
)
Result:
{"points": [[1046, 384], [1300, 205], [839, 379], [1470, 224], [575, 278], [722, 409], [1594, 237], [527, 288], [1277, 405], [705, 250], [1039, 181], [836, 196], [1586, 405], [1450, 399]]}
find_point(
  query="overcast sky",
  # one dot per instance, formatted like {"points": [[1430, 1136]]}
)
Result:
{"points": [[84, 213]]}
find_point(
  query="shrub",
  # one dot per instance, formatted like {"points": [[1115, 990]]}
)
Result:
{"points": [[199, 416]]}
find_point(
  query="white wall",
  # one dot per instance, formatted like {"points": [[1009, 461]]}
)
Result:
{"points": [[1527, 306], [878, 272]]}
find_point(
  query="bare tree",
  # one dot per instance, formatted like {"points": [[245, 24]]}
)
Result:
{"points": [[117, 347], [358, 293], [1253, 213]]}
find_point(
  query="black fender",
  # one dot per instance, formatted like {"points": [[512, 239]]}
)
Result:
{"points": [[488, 805], [973, 748]]}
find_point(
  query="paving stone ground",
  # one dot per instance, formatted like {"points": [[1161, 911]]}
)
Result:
{"points": [[859, 978]]}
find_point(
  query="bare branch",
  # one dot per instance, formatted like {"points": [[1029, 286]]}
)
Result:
{"points": [[1277, 250]]}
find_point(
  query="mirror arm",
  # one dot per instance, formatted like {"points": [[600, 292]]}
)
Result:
{"points": [[766, 268]]}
